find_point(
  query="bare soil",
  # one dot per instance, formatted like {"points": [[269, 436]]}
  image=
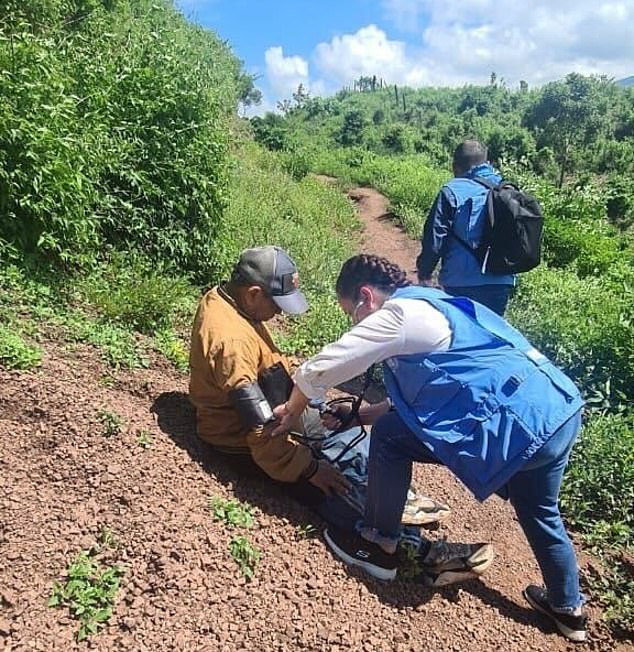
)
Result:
{"points": [[62, 481]]}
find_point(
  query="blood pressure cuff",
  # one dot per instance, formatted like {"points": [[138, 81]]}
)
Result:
{"points": [[251, 405], [254, 402]]}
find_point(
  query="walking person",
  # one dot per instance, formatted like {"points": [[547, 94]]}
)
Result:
{"points": [[454, 228]]}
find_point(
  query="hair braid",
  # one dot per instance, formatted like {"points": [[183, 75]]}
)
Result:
{"points": [[368, 269]]}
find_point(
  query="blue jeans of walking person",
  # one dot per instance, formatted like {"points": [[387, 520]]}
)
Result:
{"points": [[533, 492], [495, 297]]}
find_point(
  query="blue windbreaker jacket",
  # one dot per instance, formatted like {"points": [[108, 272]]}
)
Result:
{"points": [[460, 208], [489, 403]]}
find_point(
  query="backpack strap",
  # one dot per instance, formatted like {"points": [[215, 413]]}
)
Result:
{"points": [[477, 253], [485, 182]]}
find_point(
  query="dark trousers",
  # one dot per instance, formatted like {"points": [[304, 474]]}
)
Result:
{"points": [[341, 511], [494, 297]]}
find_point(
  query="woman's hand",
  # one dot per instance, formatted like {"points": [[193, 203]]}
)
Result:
{"points": [[333, 417], [285, 418]]}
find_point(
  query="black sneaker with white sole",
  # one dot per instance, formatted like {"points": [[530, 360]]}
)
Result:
{"points": [[356, 551], [572, 627]]}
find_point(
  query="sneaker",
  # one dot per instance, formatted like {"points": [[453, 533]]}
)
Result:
{"points": [[572, 627], [354, 550], [421, 510], [448, 563]]}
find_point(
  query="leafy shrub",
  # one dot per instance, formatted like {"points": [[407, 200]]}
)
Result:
{"points": [[117, 345], [585, 325], [112, 423], [89, 593], [598, 490], [114, 129], [232, 512], [15, 353], [246, 555], [173, 348], [132, 292]]}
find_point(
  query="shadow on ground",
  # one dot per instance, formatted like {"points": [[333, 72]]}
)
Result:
{"points": [[177, 418]]}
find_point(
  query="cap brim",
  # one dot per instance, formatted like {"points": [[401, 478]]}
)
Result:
{"points": [[292, 304]]}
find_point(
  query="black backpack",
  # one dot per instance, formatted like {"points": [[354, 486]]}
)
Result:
{"points": [[512, 236]]}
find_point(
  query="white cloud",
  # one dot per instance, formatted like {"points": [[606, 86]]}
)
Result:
{"points": [[285, 74], [536, 41], [368, 52], [453, 42]]}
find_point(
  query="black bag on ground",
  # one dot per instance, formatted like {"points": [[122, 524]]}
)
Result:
{"points": [[512, 236]]}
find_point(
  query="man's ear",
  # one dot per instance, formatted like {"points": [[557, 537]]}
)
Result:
{"points": [[254, 292]]}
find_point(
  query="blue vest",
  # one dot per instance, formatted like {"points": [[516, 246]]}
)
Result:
{"points": [[489, 403], [460, 268]]}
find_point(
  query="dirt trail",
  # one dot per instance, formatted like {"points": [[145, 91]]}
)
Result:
{"points": [[62, 481], [381, 235]]}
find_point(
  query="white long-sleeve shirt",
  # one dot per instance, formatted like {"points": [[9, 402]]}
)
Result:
{"points": [[399, 327]]}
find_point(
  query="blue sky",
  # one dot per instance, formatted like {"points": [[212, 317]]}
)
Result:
{"points": [[327, 44]]}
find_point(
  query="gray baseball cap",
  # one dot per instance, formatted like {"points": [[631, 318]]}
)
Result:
{"points": [[275, 272]]}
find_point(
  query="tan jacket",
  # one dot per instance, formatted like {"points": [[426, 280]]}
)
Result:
{"points": [[228, 350]]}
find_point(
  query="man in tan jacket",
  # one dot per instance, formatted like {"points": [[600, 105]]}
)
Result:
{"points": [[231, 350]]}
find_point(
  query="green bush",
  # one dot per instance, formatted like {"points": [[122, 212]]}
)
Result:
{"points": [[15, 353], [114, 129], [585, 325], [598, 490], [132, 292]]}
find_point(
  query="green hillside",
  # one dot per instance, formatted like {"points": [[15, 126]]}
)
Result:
{"points": [[128, 184]]}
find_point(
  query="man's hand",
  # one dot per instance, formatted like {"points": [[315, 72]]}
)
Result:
{"points": [[329, 479]]}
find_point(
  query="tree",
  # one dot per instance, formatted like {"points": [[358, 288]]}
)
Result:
{"points": [[301, 96], [284, 106], [352, 129], [570, 114], [248, 94]]}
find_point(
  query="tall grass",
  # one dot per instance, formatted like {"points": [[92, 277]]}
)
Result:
{"points": [[409, 182]]}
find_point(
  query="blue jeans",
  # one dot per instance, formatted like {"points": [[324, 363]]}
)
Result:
{"points": [[533, 492], [494, 297]]}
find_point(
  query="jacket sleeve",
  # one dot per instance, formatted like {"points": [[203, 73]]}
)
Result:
{"points": [[280, 457], [234, 366], [436, 231]]}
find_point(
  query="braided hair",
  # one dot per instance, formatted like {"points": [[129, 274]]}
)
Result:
{"points": [[368, 269]]}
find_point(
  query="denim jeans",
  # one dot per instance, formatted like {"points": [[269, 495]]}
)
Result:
{"points": [[344, 512], [533, 492], [494, 297]]}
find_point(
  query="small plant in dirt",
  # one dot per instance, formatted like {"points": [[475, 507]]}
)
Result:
{"points": [[409, 565], [106, 540], [107, 381], [15, 353], [232, 512], [112, 423], [306, 531], [173, 348], [144, 439], [245, 554], [89, 592]]}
